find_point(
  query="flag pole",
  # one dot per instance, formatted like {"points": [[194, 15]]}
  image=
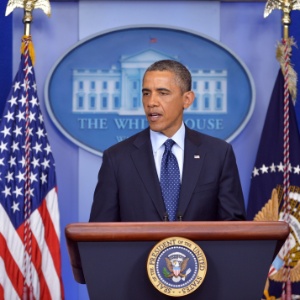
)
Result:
{"points": [[28, 8], [287, 6], [290, 79]]}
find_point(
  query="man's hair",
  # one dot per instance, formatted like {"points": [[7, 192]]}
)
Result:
{"points": [[182, 74]]}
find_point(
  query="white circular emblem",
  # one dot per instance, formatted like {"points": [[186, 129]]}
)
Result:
{"points": [[176, 266]]}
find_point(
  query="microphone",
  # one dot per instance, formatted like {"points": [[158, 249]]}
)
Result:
{"points": [[166, 217], [179, 217]]}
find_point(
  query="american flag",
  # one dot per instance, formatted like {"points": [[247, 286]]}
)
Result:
{"points": [[153, 40], [30, 262]]}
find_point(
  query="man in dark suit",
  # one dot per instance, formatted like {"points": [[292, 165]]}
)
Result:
{"points": [[128, 187]]}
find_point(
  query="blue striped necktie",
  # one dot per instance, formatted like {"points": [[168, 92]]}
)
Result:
{"points": [[170, 180]]}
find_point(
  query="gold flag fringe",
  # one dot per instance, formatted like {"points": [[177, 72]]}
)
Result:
{"points": [[292, 75], [27, 39]]}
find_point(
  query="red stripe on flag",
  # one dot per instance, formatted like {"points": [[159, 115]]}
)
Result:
{"points": [[1, 292], [51, 237], [37, 262], [52, 240], [12, 270], [36, 259]]}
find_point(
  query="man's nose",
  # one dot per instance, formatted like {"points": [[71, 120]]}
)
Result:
{"points": [[152, 101]]}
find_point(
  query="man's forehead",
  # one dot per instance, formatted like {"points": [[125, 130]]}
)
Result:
{"points": [[157, 76], [159, 72]]}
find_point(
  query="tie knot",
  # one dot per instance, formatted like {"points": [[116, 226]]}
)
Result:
{"points": [[169, 144]]}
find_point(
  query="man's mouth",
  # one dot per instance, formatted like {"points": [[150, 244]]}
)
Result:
{"points": [[153, 116]]}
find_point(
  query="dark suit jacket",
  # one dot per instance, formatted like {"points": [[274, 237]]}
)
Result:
{"points": [[128, 187]]}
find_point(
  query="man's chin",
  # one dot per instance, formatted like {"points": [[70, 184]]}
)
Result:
{"points": [[155, 128]]}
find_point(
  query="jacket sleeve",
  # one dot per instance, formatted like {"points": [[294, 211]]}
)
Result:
{"points": [[231, 200], [105, 207]]}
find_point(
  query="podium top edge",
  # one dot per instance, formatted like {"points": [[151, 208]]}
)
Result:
{"points": [[220, 230]]}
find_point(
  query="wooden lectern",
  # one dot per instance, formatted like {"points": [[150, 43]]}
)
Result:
{"points": [[111, 257]]}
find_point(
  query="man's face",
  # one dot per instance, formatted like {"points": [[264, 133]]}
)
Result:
{"points": [[164, 101]]}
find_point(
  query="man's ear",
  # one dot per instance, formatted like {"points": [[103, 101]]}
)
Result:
{"points": [[188, 99]]}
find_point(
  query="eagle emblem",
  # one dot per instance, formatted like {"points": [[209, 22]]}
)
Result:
{"points": [[282, 5], [176, 265], [29, 5]]}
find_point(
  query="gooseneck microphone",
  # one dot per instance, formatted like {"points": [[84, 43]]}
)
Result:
{"points": [[179, 217], [166, 217]]}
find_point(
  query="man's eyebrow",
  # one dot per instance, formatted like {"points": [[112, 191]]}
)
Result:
{"points": [[163, 90], [158, 89]]}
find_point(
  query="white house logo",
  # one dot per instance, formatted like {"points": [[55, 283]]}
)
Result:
{"points": [[176, 266], [93, 94]]}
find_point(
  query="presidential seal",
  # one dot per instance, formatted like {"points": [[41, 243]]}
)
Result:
{"points": [[176, 266]]}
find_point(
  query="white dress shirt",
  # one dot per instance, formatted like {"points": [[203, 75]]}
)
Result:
{"points": [[158, 148]]}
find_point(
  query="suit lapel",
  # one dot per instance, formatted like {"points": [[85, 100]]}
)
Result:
{"points": [[143, 160], [193, 162]]}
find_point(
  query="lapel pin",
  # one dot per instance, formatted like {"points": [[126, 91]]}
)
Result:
{"points": [[196, 156]]}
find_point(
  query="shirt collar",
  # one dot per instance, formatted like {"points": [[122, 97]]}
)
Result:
{"points": [[158, 138]]}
